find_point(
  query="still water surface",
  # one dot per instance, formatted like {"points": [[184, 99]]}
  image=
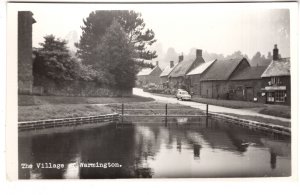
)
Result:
{"points": [[184, 147]]}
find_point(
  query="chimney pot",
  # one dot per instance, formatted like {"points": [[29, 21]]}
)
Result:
{"points": [[275, 53], [198, 53], [171, 64], [180, 58]]}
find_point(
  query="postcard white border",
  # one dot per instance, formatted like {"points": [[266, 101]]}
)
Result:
{"points": [[11, 84]]}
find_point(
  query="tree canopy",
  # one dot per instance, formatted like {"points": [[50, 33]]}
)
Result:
{"points": [[115, 66], [54, 61], [96, 25]]}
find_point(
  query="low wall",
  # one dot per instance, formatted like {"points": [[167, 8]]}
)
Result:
{"points": [[270, 128], [44, 86], [51, 123]]}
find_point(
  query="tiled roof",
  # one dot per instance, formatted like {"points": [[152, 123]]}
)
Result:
{"points": [[156, 73], [184, 66], [248, 73], [221, 69], [144, 72], [279, 67], [147, 71], [200, 69], [167, 71]]}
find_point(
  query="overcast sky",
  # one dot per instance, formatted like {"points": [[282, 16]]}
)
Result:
{"points": [[219, 29]]}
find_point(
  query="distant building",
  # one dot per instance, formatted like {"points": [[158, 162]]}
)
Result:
{"points": [[178, 78], [195, 76], [277, 80], [25, 75], [164, 76], [148, 75]]}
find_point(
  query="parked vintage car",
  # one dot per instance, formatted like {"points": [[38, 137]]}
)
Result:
{"points": [[183, 95]]}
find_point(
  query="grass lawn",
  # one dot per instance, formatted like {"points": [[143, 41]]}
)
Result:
{"points": [[261, 119], [28, 100], [277, 110], [228, 103], [40, 112], [154, 108], [33, 108]]}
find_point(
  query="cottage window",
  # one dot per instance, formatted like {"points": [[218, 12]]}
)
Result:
{"points": [[270, 97], [280, 96], [275, 80]]}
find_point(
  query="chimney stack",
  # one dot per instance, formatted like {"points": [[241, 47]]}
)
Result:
{"points": [[275, 53], [157, 63], [198, 53], [180, 58], [171, 64]]}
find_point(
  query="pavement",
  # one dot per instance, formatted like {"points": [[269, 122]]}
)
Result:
{"points": [[212, 108]]}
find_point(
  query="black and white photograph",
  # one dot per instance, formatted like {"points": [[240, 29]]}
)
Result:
{"points": [[152, 90]]}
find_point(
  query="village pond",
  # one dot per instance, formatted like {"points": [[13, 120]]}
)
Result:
{"points": [[154, 148]]}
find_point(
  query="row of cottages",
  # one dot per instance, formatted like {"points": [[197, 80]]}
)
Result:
{"points": [[235, 79], [178, 76], [148, 75], [232, 79]]}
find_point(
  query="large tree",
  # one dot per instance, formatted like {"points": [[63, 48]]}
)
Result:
{"points": [[54, 61], [96, 25], [114, 59]]}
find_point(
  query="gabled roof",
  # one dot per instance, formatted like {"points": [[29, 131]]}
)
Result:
{"points": [[144, 72], [167, 71], [147, 71], [279, 67], [184, 66], [200, 69], [251, 72], [221, 69]]}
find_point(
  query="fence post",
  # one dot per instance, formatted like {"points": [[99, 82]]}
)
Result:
{"points": [[206, 121], [166, 116], [122, 111], [166, 110], [206, 109]]}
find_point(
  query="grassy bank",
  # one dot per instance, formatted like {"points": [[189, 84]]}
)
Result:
{"points": [[261, 119], [29, 100], [277, 110], [33, 108], [40, 112], [155, 108], [228, 103]]}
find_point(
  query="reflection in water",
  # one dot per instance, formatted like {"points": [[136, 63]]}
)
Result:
{"points": [[197, 151], [273, 160], [180, 148]]}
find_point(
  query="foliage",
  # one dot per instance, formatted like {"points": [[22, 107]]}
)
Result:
{"points": [[261, 60], [95, 26], [54, 61], [115, 66]]}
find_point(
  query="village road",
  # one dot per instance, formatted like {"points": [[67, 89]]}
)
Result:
{"points": [[212, 108]]}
